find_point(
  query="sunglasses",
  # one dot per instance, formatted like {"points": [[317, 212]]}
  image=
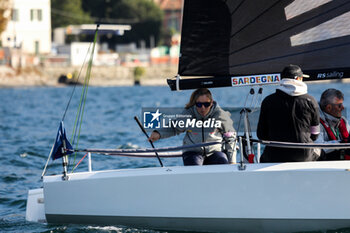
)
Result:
{"points": [[205, 104], [338, 105]]}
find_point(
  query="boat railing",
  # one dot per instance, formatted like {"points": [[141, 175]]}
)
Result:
{"points": [[173, 152]]}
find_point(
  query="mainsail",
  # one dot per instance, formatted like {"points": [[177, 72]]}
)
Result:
{"points": [[222, 39]]}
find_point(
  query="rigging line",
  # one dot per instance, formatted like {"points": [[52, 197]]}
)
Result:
{"points": [[252, 92], [261, 14], [81, 98], [77, 118], [303, 145], [149, 150], [72, 16], [75, 85], [80, 161], [287, 29], [150, 155], [240, 114], [246, 100], [238, 6], [258, 100], [101, 20], [71, 96], [254, 101], [290, 55], [80, 112], [87, 79], [47, 162]]}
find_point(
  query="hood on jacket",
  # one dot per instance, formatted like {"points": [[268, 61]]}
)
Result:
{"points": [[293, 87]]}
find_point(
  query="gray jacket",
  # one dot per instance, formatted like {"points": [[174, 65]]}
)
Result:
{"points": [[206, 129], [333, 123]]}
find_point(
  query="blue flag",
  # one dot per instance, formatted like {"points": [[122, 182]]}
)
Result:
{"points": [[60, 138]]}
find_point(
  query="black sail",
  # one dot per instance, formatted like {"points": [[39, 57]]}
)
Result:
{"points": [[225, 38]]}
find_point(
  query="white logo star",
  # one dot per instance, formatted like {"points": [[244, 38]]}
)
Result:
{"points": [[156, 115]]}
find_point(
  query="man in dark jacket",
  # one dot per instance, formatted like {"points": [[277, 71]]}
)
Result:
{"points": [[289, 115]]}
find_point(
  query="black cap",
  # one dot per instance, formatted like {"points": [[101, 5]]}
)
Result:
{"points": [[292, 72]]}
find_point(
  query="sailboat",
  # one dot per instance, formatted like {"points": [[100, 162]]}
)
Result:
{"points": [[224, 43]]}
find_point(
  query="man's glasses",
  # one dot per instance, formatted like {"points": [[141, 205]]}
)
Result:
{"points": [[205, 104], [338, 105]]}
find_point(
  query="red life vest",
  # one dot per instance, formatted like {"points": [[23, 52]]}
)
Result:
{"points": [[343, 133]]}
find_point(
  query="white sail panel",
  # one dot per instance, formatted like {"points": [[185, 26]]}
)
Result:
{"points": [[299, 7], [335, 28]]}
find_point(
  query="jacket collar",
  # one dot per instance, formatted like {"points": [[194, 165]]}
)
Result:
{"points": [[293, 87], [332, 121]]}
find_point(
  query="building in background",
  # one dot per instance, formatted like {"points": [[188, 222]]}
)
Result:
{"points": [[29, 29], [172, 14]]}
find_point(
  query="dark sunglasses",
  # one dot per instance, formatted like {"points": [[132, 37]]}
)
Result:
{"points": [[338, 105], [200, 104]]}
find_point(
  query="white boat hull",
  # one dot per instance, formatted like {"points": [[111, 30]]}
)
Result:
{"points": [[35, 206], [265, 197]]}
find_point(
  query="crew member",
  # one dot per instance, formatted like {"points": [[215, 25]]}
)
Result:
{"points": [[289, 115], [201, 107], [335, 127]]}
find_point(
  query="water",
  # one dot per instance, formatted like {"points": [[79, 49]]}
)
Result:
{"points": [[29, 118]]}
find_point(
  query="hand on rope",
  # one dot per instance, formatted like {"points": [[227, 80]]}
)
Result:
{"points": [[155, 136]]}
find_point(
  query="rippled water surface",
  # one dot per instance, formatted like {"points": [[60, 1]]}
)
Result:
{"points": [[29, 118]]}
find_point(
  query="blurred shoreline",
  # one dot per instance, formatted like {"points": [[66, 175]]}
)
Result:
{"points": [[37, 76], [100, 76]]}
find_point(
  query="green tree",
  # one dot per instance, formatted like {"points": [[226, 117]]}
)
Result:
{"points": [[99, 9], [138, 73], [148, 17], [68, 12]]}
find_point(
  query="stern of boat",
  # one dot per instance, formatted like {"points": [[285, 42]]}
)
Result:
{"points": [[35, 211]]}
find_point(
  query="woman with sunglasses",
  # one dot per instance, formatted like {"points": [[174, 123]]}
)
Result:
{"points": [[209, 124]]}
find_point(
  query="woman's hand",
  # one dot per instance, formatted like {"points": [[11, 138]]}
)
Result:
{"points": [[154, 136]]}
